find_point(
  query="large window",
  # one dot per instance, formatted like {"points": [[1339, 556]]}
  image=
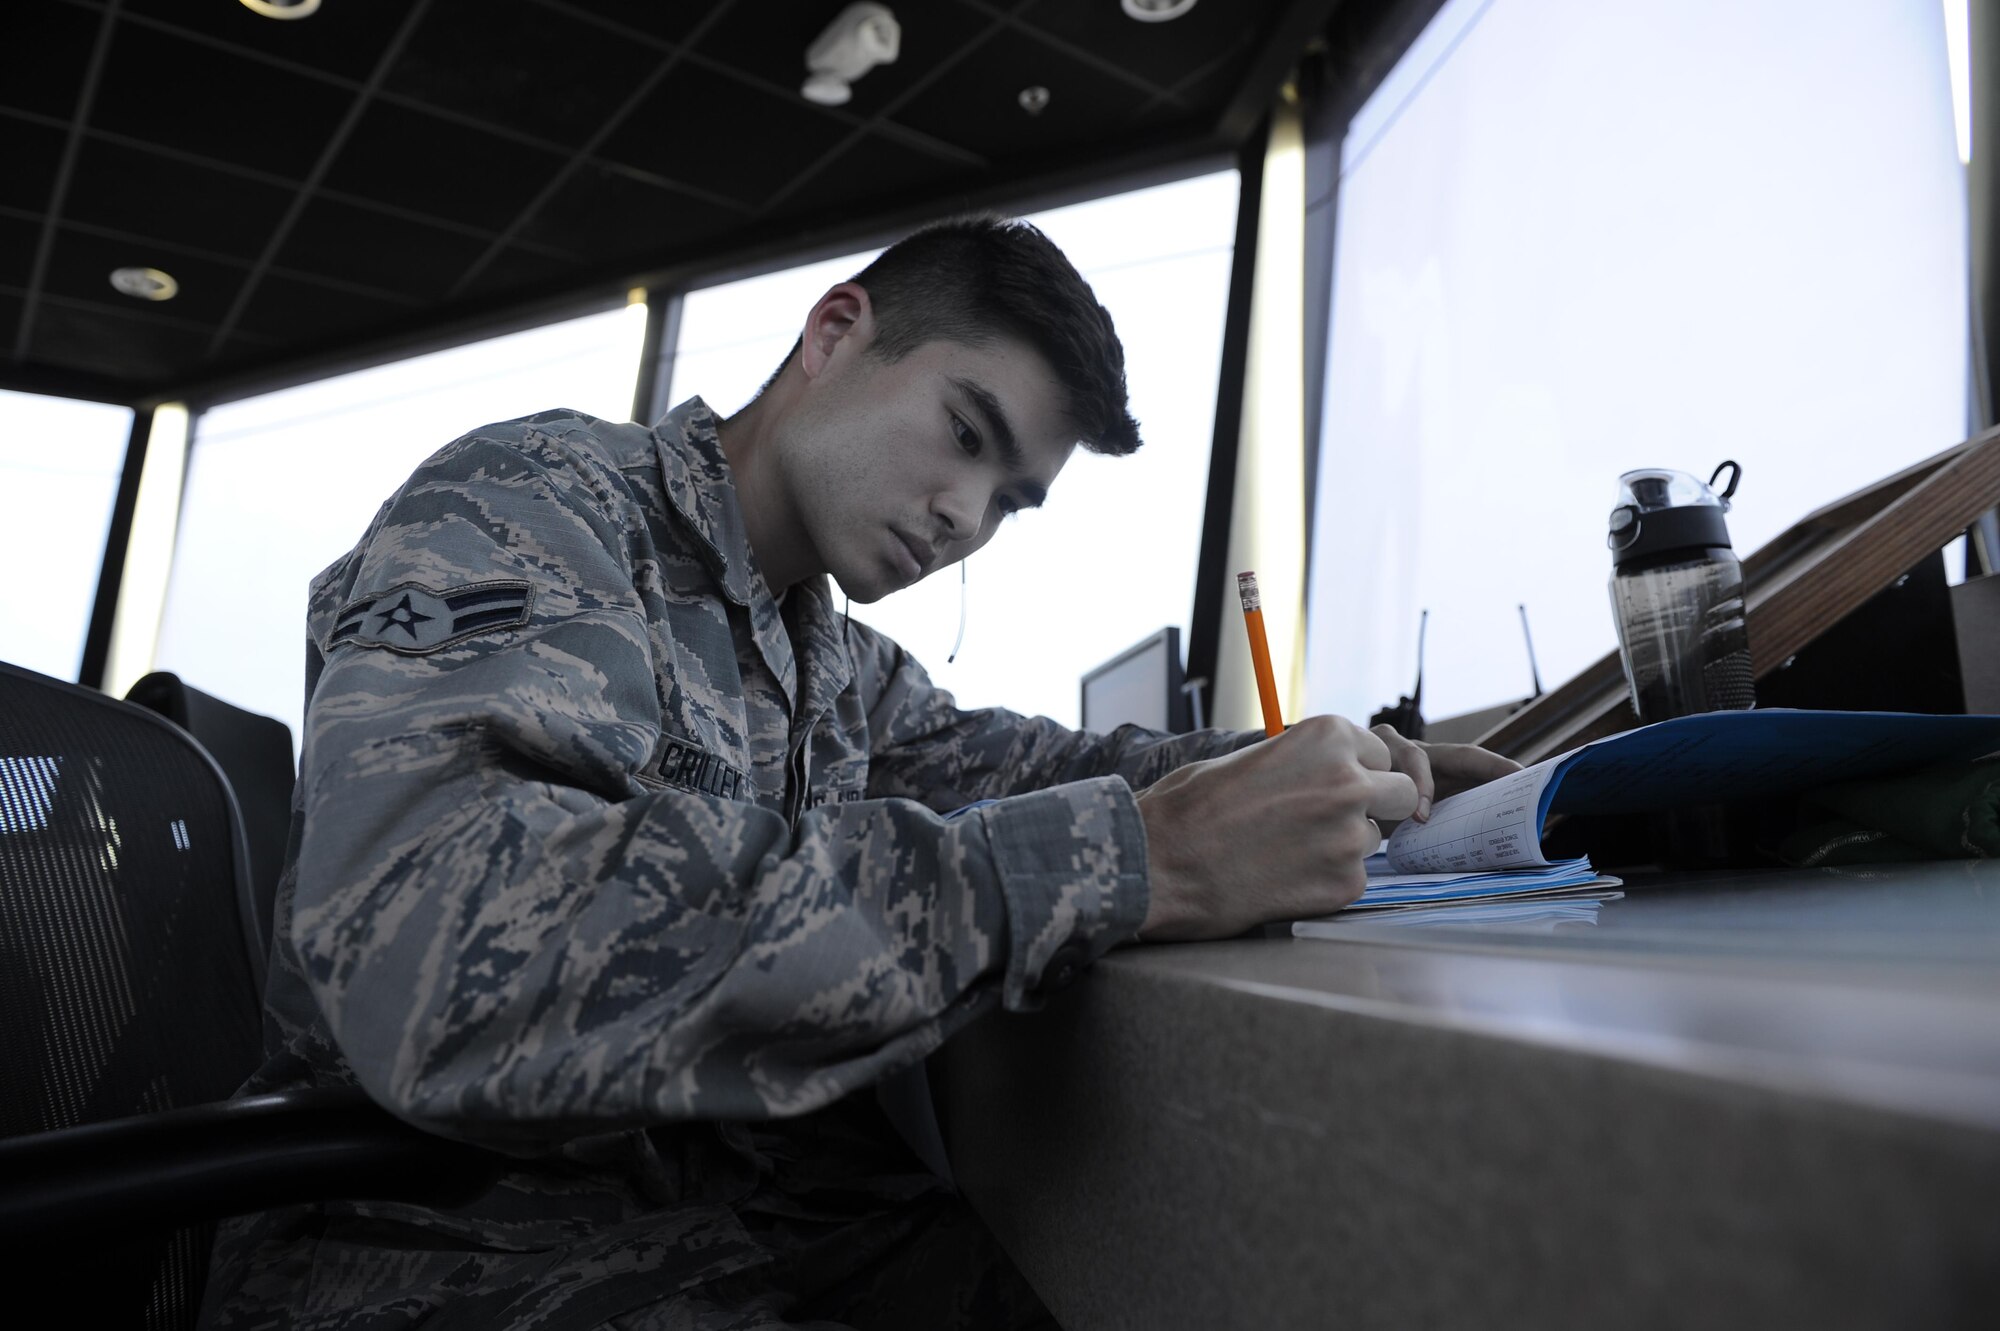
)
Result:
{"points": [[1111, 557], [280, 486], [59, 466], [1577, 238]]}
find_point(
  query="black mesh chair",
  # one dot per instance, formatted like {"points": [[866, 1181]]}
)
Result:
{"points": [[129, 1014], [255, 755]]}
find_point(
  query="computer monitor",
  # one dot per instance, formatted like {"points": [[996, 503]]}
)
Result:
{"points": [[1139, 686]]}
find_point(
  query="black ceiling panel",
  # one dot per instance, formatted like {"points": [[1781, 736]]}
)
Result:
{"points": [[286, 310], [80, 266], [1160, 53], [176, 93], [18, 238], [374, 249], [669, 20], [519, 64], [691, 130], [515, 270], [979, 104], [118, 185], [873, 171], [107, 340], [32, 153], [399, 156], [57, 41], [770, 41], [345, 38], [1207, 86], [240, 347], [387, 172], [602, 213]]}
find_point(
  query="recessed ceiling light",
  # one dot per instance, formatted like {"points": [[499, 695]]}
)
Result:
{"points": [[145, 283], [1146, 11], [1034, 100], [282, 8]]}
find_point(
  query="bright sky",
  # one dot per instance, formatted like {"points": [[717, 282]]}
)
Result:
{"points": [[59, 467], [1703, 230]]}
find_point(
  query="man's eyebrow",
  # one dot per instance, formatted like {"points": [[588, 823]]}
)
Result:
{"points": [[1002, 430]]}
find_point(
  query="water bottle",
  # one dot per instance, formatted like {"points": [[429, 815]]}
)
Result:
{"points": [[1677, 595]]}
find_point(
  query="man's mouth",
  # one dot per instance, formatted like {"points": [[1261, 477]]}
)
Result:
{"points": [[919, 552]]}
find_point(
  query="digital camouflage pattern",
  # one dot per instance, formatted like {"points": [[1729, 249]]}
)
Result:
{"points": [[604, 858]]}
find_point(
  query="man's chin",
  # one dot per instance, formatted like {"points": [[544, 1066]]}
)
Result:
{"points": [[864, 591], [873, 580]]}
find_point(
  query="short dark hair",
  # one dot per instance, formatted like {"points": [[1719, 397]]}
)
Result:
{"points": [[973, 279]]}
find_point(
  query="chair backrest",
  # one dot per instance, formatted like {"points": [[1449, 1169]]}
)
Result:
{"points": [[125, 979], [255, 754]]}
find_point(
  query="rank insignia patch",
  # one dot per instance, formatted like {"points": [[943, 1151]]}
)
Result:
{"points": [[416, 620]]}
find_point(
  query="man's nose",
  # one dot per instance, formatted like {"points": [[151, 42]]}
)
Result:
{"points": [[958, 513]]}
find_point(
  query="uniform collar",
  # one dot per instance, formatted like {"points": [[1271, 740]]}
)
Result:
{"points": [[702, 491], [825, 666]]}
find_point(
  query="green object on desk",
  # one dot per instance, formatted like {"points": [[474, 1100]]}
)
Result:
{"points": [[1939, 813]]}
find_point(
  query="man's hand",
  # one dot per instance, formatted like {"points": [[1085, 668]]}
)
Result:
{"points": [[1272, 832], [1440, 770]]}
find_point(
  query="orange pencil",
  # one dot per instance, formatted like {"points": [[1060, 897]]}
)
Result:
{"points": [[1260, 652]]}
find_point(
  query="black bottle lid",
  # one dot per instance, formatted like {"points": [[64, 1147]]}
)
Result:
{"points": [[1666, 515]]}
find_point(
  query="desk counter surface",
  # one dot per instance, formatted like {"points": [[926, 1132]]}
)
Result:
{"points": [[1745, 1099]]}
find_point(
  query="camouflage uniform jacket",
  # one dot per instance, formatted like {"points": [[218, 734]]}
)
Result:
{"points": [[605, 858]]}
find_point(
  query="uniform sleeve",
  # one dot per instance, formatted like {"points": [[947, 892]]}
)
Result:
{"points": [[511, 938], [927, 749]]}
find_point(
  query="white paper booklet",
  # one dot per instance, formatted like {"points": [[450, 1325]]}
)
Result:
{"points": [[1714, 757]]}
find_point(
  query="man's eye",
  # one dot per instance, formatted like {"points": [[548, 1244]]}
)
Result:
{"points": [[1008, 508], [968, 438]]}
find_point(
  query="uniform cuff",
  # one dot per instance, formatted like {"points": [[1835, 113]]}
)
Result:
{"points": [[1072, 865]]}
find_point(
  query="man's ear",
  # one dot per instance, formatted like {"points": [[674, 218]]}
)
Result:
{"points": [[843, 314]]}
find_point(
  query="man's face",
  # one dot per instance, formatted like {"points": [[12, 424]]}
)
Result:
{"points": [[897, 469]]}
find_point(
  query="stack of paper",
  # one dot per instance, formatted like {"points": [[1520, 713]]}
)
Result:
{"points": [[1534, 915], [1386, 887], [1392, 893]]}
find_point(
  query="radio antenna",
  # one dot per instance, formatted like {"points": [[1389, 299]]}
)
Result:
{"points": [[1529, 638], [1407, 715], [1417, 697]]}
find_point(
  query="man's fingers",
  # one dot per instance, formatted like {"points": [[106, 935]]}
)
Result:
{"points": [[1459, 767], [1408, 757], [1370, 750], [1479, 764], [1392, 796]]}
